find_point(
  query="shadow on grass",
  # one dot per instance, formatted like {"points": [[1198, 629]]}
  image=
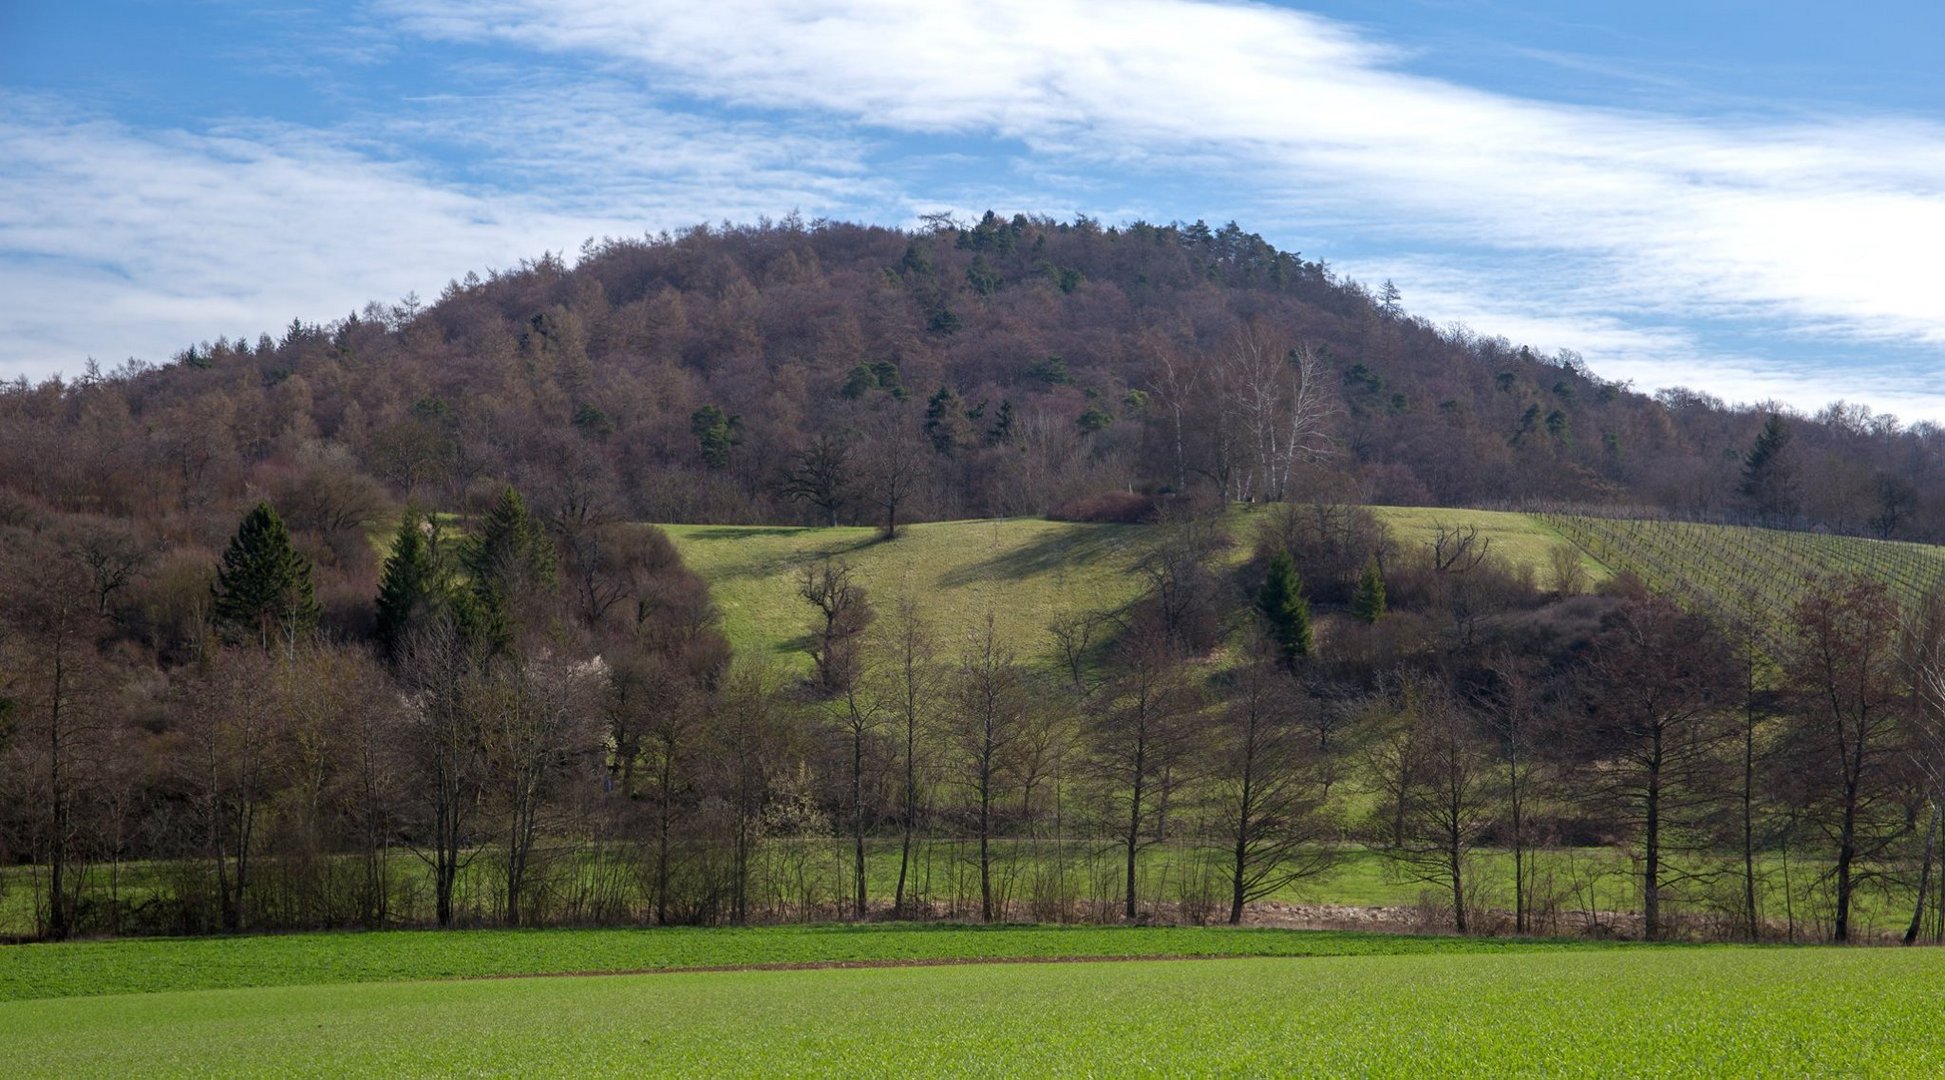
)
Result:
{"points": [[1081, 546], [740, 532], [782, 562]]}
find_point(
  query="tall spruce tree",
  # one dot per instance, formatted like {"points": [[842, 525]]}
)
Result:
{"points": [[717, 434], [1769, 471], [263, 589], [1287, 612], [507, 560], [1368, 602], [411, 588]]}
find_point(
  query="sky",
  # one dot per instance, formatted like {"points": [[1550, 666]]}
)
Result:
{"points": [[1741, 197]]}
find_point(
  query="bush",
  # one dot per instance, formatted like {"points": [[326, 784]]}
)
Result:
{"points": [[1107, 508], [1329, 543]]}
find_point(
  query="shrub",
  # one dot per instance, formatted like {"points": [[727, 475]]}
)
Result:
{"points": [[1107, 508]]}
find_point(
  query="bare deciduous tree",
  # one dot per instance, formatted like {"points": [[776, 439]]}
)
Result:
{"points": [[911, 683], [443, 745], [843, 614], [537, 723], [1663, 694], [59, 686], [1436, 787], [1265, 787], [990, 714], [1847, 742], [1136, 728]]}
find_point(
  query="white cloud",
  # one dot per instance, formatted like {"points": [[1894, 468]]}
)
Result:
{"points": [[1821, 226], [117, 242]]}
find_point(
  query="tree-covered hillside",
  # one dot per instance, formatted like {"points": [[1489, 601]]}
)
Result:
{"points": [[823, 372]]}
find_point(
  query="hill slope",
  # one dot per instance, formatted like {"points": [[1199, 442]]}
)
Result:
{"points": [[1014, 366], [1738, 573], [1030, 573], [1027, 573]]}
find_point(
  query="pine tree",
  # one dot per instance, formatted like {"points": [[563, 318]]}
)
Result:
{"points": [[945, 420], [1002, 429], [411, 588], [1768, 472], [1284, 607], [508, 559], [717, 433], [263, 587], [1368, 601]]}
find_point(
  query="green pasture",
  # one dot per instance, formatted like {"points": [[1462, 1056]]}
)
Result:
{"points": [[1635, 1011], [155, 965], [1026, 572], [1523, 540]]}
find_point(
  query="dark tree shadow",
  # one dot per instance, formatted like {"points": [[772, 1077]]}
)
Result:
{"points": [[1084, 545]]}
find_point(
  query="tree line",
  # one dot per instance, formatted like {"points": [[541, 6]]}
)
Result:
{"points": [[540, 722]]}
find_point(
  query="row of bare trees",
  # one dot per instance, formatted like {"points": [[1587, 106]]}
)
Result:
{"points": [[548, 728]]}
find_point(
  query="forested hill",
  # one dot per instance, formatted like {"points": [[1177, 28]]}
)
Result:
{"points": [[804, 373]]}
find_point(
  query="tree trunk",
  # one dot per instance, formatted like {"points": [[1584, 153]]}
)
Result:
{"points": [[1924, 877], [1134, 837], [1242, 844], [1516, 804], [445, 856], [1651, 863], [1236, 896], [985, 854], [57, 907], [911, 812], [857, 811], [1846, 855], [1749, 827], [662, 838]]}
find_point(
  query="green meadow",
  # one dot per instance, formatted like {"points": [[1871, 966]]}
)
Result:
{"points": [[1028, 573], [1430, 1007]]}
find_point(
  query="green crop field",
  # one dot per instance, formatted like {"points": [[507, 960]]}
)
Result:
{"points": [[1514, 1010], [135, 965]]}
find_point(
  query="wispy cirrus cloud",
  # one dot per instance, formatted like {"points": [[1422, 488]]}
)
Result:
{"points": [[117, 241], [1810, 226]]}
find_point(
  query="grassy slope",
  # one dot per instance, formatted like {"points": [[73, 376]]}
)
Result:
{"points": [[90, 968], [1521, 539], [1027, 572], [1677, 1011]]}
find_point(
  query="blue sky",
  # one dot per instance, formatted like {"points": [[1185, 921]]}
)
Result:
{"points": [[1742, 197]]}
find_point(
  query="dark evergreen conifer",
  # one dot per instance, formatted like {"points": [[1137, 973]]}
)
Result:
{"points": [[1368, 602], [1768, 473], [717, 433], [1285, 609], [507, 560], [263, 588], [410, 589]]}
